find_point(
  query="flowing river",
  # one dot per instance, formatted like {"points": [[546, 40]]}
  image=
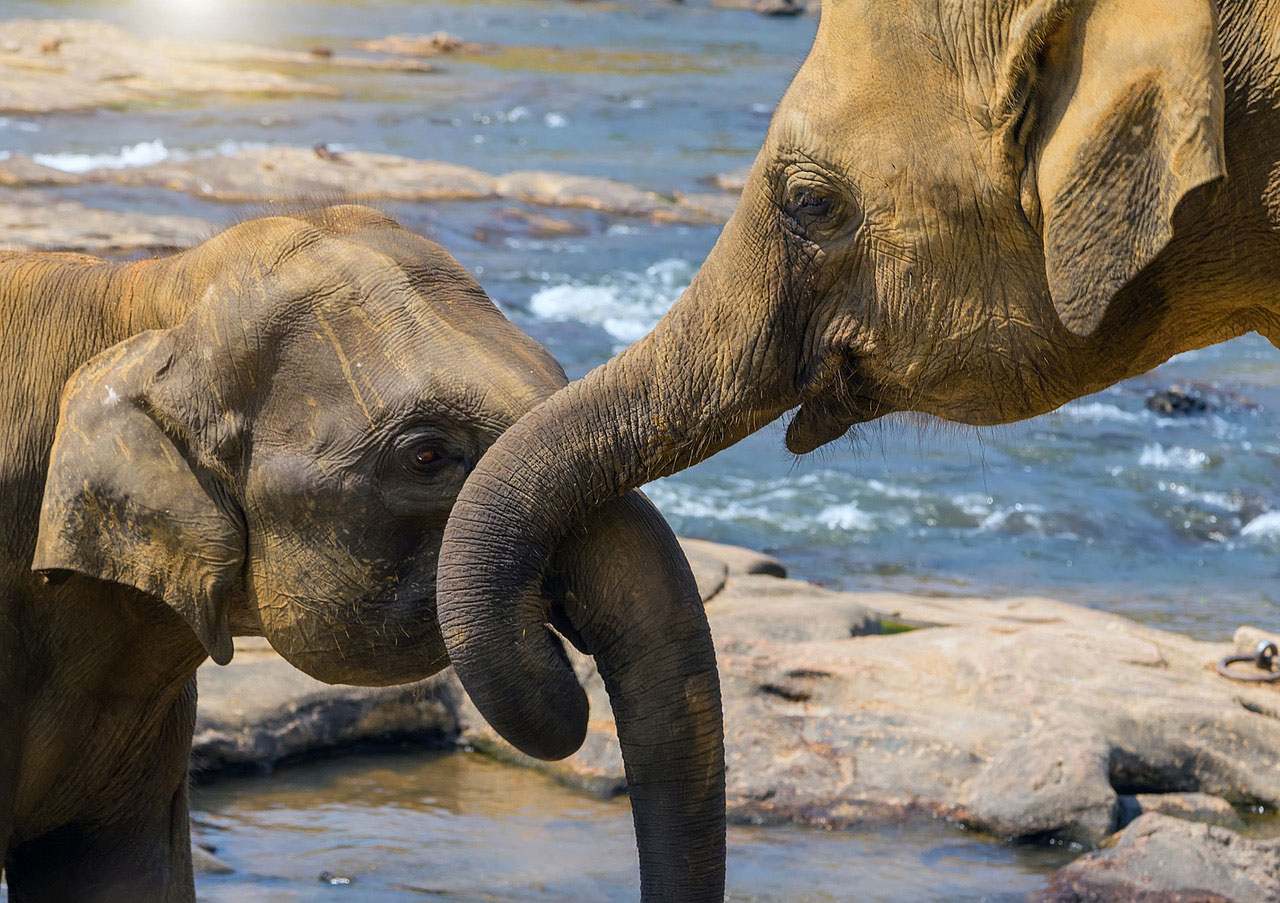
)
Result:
{"points": [[1169, 520]]}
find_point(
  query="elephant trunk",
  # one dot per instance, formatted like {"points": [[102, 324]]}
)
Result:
{"points": [[654, 652], [645, 414]]}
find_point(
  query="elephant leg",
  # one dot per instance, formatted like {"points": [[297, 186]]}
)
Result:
{"points": [[144, 860]]}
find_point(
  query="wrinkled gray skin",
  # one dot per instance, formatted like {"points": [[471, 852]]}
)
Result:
{"points": [[977, 209], [265, 435]]}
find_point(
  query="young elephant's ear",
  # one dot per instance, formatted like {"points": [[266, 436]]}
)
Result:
{"points": [[1125, 102], [126, 501]]}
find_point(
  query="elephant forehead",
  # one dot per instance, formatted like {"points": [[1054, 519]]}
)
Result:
{"points": [[879, 100]]}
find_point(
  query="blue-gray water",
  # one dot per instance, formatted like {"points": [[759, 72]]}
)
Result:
{"points": [[1170, 521]]}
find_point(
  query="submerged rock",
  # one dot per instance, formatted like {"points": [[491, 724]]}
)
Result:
{"points": [[1176, 401], [1159, 859], [420, 44]]}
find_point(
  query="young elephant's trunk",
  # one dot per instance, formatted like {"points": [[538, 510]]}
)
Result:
{"points": [[630, 600]]}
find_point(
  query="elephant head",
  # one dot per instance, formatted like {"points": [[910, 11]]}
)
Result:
{"points": [[963, 209], [283, 459]]}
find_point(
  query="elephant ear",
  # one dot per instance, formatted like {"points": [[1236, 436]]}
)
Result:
{"points": [[1128, 101], [125, 499]]}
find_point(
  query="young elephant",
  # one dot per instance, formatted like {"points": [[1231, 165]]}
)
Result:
{"points": [[265, 435]]}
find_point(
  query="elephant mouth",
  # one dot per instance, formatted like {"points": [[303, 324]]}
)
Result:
{"points": [[844, 400]]}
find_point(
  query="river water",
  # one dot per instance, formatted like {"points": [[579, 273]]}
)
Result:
{"points": [[1171, 521]]}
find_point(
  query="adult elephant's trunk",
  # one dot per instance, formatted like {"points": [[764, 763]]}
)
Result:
{"points": [[675, 397]]}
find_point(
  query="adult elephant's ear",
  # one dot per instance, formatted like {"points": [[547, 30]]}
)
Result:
{"points": [[1120, 105], [127, 498]]}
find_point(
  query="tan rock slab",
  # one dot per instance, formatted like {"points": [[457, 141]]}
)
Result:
{"points": [[259, 709], [34, 220], [1159, 859], [289, 173], [55, 65], [555, 189]]}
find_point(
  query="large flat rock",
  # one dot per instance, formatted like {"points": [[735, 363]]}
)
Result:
{"points": [[260, 710], [288, 173], [32, 220], [1022, 717], [1160, 859], [311, 174], [58, 65]]}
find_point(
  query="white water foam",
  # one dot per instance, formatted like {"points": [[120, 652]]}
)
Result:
{"points": [[144, 153], [846, 517], [626, 306], [1264, 526], [1175, 457], [1099, 412]]}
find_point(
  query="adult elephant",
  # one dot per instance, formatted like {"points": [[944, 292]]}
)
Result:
{"points": [[978, 210], [264, 436]]}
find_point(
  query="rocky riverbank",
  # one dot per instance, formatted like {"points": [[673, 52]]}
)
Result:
{"points": [[1022, 718]]}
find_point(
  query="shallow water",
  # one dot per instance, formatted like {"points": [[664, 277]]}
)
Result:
{"points": [[461, 827], [1174, 522]]}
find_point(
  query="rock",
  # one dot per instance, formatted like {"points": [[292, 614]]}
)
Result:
{"points": [[32, 220], [420, 44], [20, 171], [1199, 398], [709, 570], [737, 560], [289, 173], [779, 8], [554, 189], [1248, 639], [1159, 859], [1022, 717], [763, 7], [1198, 807], [734, 180], [206, 863], [259, 709], [1177, 402], [59, 65], [518, 221], [717, 207]]}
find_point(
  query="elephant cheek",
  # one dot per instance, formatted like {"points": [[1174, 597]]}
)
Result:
{"points": [[339, 630]]}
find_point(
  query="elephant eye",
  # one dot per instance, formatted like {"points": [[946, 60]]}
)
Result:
{"points": [[806, 204], [426, 457]]}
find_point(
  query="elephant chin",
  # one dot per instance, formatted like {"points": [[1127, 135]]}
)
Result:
{"points": [[827, 417]]}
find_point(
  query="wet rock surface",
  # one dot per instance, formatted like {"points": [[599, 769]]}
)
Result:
{"points": [[1161, 859], [59, 65], [1198, 398], [260, 710], [33, 220], [1024, 717]]}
